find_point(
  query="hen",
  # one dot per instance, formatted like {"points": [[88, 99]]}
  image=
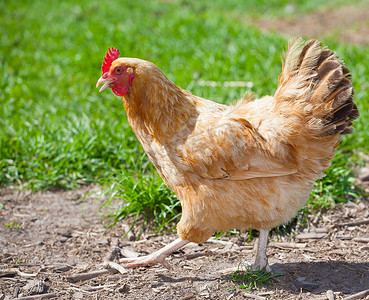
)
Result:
{"points": [[248, 165]]}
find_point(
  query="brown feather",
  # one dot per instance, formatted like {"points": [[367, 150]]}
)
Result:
{"points": [[251, 164]]}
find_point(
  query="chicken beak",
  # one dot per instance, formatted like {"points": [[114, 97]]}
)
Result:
{"points": [[106, 81]]}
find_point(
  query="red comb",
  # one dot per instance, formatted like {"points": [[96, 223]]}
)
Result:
{"points": [[110, 56]]}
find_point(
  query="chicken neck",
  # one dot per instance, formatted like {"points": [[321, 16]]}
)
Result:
{"points": [[159, 108]]}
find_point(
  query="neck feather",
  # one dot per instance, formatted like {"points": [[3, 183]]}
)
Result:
{"points": [[156, 106]]}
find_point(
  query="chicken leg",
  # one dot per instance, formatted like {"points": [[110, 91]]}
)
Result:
{"points": [[261, 260], [156, 257]]}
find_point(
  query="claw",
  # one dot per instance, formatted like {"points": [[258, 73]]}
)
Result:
{"points": [[166, 264], [144, 261]]}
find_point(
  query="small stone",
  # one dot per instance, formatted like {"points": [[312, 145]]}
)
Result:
{"points": [[302, 283], [361, 206], [34, 287], [62, 269], [330, 295], [311, 235], [78, 295], [128, 252], [63, 239], [364, 174], [123, 289]]}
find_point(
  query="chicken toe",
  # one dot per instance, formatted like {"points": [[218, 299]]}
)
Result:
{"points": [[156, 257], [147, 260]]}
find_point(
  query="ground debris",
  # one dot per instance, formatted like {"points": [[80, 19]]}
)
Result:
{"points": [[348, 23], [62, 269], [354, 223], [128, 252], [34, 287], [330, 295], [252, 296], [15, 271], [359, 295], [337, 261], [315, 233], [89, 275], [282, 245], [40, 296]]}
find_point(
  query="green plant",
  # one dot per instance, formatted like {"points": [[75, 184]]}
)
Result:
{"points": [[247, 278], [143, 193], [14, 225]]}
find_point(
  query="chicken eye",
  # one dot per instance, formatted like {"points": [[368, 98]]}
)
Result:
{"points": [[119, 70]]}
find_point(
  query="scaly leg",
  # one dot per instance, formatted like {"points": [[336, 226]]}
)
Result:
{"points": [[156, 257], [261, 260]]}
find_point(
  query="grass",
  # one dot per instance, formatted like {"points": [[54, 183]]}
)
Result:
{"points": [[56, 130], [14, 225], [143, 194], [246, 278]]}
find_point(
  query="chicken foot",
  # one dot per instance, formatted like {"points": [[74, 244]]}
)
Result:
{"points": [[261, 261], [156, 257]]}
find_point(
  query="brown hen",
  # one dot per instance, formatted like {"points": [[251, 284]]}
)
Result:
{"points": [[248, 165]]}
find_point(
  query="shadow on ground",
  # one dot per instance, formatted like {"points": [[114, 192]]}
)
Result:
{"points": [[319, 277]]}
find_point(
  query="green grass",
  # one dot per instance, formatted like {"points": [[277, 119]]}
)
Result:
{"points": [[246, 278], [14, 225], [56, 130], [143, 194]]}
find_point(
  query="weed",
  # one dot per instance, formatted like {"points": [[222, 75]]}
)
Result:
{"points": [[246, 278], [143, 193], [14, 225]]}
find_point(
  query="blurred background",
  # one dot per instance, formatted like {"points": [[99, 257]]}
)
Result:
{"points": [[57, 131]]}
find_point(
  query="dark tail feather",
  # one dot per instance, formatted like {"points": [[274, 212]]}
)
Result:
{"points": [[333, 94]]}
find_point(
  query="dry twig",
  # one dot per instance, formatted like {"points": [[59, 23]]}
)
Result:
{"points": [[195, 255], [289, 245], [360, 295], [355, 223], [39, 296], [89, 275], [248, 295], [117, 267], [11, 272]]}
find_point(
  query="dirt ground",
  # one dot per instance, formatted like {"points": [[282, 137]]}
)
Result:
{"points": [[45, 243], [48, 249], [350, 24]]}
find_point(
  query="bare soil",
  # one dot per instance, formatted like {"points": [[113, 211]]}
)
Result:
{"points": [[46, 239], [349, 24]]}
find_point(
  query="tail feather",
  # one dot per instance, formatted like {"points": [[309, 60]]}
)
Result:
{"points": [[307, 60], [326, 55], [315, 95], [316, 78], [329, 76]]}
